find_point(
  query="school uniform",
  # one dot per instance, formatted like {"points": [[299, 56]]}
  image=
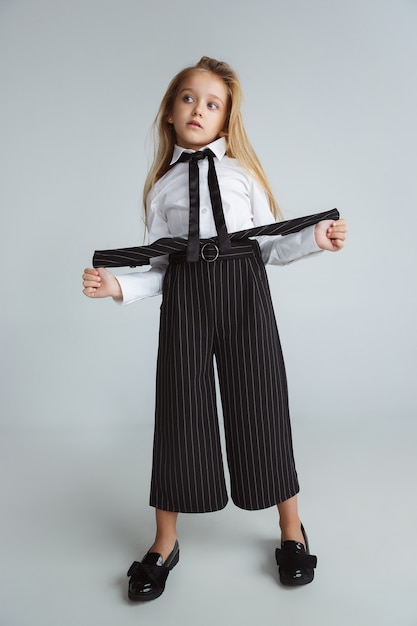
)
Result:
{"points": [[218, 310]]}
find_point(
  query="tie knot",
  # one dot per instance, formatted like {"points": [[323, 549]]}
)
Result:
{"points": [[195, 156]]}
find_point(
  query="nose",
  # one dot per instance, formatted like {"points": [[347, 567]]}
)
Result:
{"points": [[197, 110]]}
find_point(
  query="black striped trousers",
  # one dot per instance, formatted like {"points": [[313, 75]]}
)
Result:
{"points": [[220, 309]]}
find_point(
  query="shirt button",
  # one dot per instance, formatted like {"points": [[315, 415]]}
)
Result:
{"points": [[204, 210]]}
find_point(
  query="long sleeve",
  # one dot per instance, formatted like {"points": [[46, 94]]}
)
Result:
{"points": [[144, 284], [245, 204], [278, 249]]}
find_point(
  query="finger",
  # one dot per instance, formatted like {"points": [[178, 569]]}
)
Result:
{"points": [[92, 277], [335, 233], [89, 284], [89, 291], [342, 227], [340, 223], [335, 236], [104, 273]]}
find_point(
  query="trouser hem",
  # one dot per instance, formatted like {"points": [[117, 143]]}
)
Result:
{"points": [[187, 510]]}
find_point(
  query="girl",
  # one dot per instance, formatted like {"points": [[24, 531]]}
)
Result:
{"points": [[205, 183]]}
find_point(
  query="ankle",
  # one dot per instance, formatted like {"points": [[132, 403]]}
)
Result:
{"points": [[291, 523], [291, 530], [164, 545]]}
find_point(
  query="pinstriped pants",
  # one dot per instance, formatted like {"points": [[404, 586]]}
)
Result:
{"points": [[220, 310]]}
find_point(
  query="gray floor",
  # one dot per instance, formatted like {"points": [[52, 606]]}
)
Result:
{"points": [[75, 514]]}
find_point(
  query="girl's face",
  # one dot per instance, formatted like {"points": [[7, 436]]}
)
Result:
{"points": [[200, 110]]}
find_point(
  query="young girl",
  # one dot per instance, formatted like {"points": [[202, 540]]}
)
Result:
{"points": [[216, 302]]}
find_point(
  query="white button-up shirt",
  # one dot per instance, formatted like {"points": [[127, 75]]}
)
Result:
{"points": [[245, 204]]}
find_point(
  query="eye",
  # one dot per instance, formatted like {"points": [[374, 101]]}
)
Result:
{"points": [[213, 105], [187, 98]]}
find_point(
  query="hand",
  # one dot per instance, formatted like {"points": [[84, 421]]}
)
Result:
{"points": [[331, 235], [101, 283]]}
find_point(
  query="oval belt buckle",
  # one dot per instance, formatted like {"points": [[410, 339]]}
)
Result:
{"points": [[216, 251]]}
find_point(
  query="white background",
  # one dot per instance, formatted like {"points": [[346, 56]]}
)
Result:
{"points": [[330, 101], [330, 106]]}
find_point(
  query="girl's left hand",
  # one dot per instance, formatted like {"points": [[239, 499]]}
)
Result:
{"points": [[331, 235]]}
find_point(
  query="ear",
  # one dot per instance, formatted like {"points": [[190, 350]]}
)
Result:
{"points": [[170, 120]]}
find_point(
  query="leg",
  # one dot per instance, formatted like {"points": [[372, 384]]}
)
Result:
{"points": [[187, 470], [166, 532], [148, 577], [289, 520], [253, 387], [296, 564]]}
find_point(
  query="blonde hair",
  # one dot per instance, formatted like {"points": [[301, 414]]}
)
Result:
{"points": [[237, 141]]}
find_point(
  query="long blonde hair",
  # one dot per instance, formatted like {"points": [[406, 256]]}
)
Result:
{"points": [[238, 144]]}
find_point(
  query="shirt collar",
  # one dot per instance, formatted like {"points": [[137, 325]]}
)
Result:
{"points": [[218, 146]]}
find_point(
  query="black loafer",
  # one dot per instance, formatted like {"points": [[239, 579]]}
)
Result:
{"points": [[295, 563], [148, 577]]}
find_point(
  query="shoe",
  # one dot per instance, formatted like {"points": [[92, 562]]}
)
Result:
{"points": [[148, 577], [295, 563]]}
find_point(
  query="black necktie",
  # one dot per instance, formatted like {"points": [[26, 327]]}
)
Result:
{"points": [[140, 255], [193, 247]]}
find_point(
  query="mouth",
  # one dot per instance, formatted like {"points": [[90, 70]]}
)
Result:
{"points": [[194, 124]]}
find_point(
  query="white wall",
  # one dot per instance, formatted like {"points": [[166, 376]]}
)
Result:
{"points": [[330, 102]]}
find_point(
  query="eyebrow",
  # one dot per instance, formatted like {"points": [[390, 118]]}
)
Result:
{"points": [[210, 95]]}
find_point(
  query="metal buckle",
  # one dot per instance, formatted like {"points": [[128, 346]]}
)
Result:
{"points": [[215, 250]]}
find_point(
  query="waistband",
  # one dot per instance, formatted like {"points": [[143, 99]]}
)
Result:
{"points": [[209, 251]]}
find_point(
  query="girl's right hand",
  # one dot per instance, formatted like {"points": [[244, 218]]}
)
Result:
{"points": [[100, 283]]}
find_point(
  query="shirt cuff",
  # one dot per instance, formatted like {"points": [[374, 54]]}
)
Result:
{"points": [[140, 285], [283, 249]]}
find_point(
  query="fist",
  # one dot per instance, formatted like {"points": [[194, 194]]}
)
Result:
{"points": [[100, 283], [331, 235]]}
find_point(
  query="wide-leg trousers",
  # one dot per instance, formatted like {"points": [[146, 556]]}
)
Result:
{"points": [[220, 310]]}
